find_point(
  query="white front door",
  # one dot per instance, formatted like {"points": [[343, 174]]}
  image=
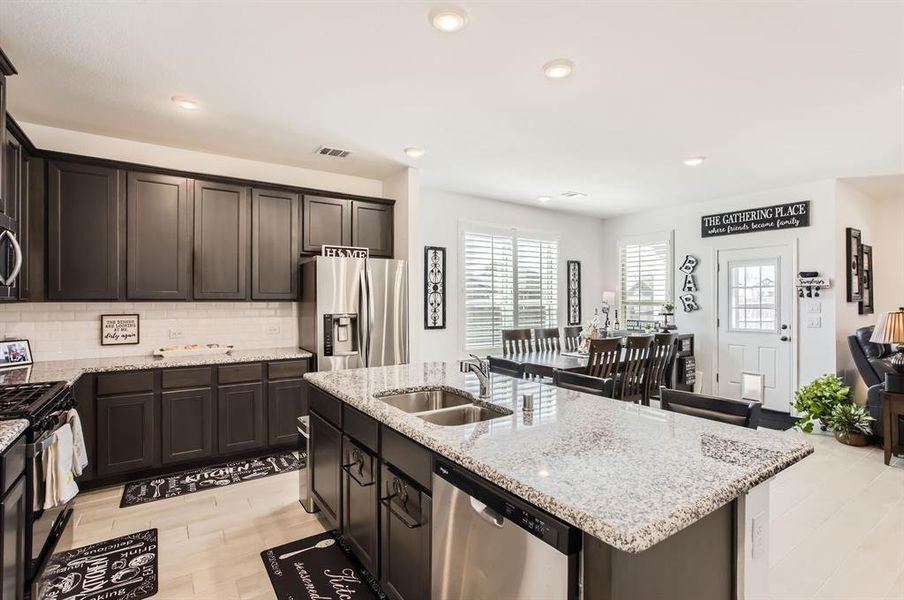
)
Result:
{"points": [[754, 328]]}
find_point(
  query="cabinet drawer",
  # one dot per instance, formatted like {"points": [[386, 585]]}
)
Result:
{"points": [[287, 369], [186, 378], [407, 456], [240, 373], [125, 383], [361, 428], [328, 407], [12, 464]]}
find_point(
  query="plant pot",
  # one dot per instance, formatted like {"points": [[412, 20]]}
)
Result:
{"points": [[852, 439]]}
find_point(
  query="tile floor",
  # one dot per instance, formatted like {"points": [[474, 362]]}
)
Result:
{"points": [[837, 530]]}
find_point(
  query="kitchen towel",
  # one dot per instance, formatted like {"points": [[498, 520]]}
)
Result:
{"points": [[60, 486], [79, 453]]}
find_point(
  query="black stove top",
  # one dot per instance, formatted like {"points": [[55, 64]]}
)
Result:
{"points": [[30, 400]]}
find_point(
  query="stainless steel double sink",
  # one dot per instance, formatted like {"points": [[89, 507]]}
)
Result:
{"points": [[444, 407]]}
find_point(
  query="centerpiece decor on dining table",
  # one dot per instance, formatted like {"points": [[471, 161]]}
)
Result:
{"points": [[574, 292]]}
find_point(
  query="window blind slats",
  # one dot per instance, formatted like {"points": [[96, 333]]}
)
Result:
{"points": [[646, 278]]}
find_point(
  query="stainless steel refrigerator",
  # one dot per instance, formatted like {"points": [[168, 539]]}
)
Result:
{"points": [[354, 311]]}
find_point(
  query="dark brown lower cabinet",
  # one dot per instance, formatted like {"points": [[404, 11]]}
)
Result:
{"points": [[187, 431], [241, 418], [13, 548], [325, 462], [360, 502], [287, 401], [405, 514], [126, 433]]}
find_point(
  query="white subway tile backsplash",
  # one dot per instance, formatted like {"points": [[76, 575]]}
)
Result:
{"points": [[60, 330]]}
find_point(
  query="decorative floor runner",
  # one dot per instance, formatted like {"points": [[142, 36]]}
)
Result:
{"points": [[320, 566], [771, 419], [124, 568], [204, 478]]}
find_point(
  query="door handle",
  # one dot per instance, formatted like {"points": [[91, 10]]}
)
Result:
{"points": [[10, 279], [487, 514], [784, 338]]}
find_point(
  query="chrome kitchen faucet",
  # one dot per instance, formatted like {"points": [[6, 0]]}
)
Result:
{"points": [[481, 368]]}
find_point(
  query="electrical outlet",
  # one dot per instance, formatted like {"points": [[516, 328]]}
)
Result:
{"points": [[814, 322], [814, 308], [175, 334], [758, 533], [273, 330]]}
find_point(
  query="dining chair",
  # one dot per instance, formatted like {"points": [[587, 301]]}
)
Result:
{"points": [[547, 339], [572, 338], [536, 373], [631, 384], [605, 355], [743, 413], [503, 366], [579, 382], [516, 341], [661, 356]]}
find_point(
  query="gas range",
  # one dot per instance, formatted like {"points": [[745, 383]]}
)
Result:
{"points": [[35, 402]]}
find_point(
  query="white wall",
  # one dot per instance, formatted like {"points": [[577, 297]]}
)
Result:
{"points": [[440, 215], [99, 146], [817, 346]]}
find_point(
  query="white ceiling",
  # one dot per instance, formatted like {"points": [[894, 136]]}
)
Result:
{"points": [[886, 187], [771, 93]]}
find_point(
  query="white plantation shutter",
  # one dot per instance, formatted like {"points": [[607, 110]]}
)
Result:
{"points": [[646, 276], [508, 281]]}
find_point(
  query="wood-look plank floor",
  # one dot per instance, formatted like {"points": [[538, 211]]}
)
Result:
{"points": [[837, 530]]}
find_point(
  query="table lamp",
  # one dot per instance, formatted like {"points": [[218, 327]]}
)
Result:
{"points": [[890, 330]]}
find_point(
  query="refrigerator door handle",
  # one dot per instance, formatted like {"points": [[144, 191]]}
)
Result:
{"points": [[370, 311], [363, 325]]}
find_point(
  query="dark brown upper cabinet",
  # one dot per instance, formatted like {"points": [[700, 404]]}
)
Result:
{"points": [[327, 221], [372, 227], [3, 134], [12, 178], [84, 206], [274, 245], [222, 240], [159, 237]]}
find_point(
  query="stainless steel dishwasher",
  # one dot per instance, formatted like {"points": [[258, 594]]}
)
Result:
{"points": [[488, 544]]}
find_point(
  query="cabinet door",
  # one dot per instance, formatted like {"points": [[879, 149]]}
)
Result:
{"points": [[405, 538], [158, 236], [360, 502], [84, 206], [372, 227], [187, 425], [12, 584], [326, 221], [12, 179], [325, 463], [3, 135], [126, 433], [241, 419], [274, 245], [287, 401], [221, 244]]}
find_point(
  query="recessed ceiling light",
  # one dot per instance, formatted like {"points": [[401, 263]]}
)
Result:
{"points": [[186, 103], [558, 68], [448, 19], [573, 194], [414, 152], [543, 199], [694, 161]]}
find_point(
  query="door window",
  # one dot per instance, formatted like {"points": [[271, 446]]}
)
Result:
{"points": [[752, 295]]}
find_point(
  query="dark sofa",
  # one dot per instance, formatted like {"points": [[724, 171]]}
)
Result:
{"points": [[873, 361]]}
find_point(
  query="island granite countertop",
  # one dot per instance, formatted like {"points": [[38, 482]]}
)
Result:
{"points": [[626, 474], [70, 370], [10, 432]]}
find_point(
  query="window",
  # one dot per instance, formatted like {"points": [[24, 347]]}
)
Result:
{"points": [[751, 295], [646, 276], [510, 280]]}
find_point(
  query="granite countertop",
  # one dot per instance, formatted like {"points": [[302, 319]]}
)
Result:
{"points": [[626, 474], [70, 370], [10, 432]]}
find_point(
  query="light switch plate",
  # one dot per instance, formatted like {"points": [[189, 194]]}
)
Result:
{"points": [[814, 308], [814, 322], [273, 330], [175, 334]]}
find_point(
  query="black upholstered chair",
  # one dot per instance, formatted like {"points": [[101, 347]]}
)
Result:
{"points": [[873, 362], [587, 384], [744, 413], [503, 366]]}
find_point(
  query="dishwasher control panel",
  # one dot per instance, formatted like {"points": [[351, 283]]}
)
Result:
{"points": [[532, 523]]}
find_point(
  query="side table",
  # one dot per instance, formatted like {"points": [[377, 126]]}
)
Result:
{"points": [[893, 407]]}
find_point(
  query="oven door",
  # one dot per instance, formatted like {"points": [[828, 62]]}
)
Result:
{"points": [[46, 526]]}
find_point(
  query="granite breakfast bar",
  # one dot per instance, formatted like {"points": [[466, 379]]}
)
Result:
{"points": [[668, 503]]}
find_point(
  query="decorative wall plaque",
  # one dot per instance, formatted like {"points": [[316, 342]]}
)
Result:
{"points": [[689, 288], [345, 251], [118, 330], [434, 287], [868, 295], [854, 276], [574, 292], [767, 218]]}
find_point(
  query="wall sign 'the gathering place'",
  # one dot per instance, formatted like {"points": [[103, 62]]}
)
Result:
{"points": [[767, 218]]}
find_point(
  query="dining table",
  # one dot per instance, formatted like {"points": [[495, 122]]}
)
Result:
{"points": [[548, 360]]}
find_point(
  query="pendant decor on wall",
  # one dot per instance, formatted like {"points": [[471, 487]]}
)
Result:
{"points": [[868, 295], [574, 292], [854, 275], [434, 287], [689, 290], [766, 218]]}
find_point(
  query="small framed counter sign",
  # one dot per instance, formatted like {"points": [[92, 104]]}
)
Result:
{"points": [[15, 353], [118, 330], [766, 218]]}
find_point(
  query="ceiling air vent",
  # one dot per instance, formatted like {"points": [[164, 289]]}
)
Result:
{"points": [[335, 152], [573, 194]]}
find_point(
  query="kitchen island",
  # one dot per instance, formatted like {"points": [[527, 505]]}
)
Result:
{"points": [[664, 500]]}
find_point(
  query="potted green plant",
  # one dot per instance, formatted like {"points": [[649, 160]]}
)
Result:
{"points": [[667, 311], [816, 401], [851, 424]]}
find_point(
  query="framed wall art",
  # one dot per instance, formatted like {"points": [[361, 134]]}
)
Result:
{"points": [[119, 330], [573, 269], [434, 287], [15, 353], [854, 274], [868, 295]]}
